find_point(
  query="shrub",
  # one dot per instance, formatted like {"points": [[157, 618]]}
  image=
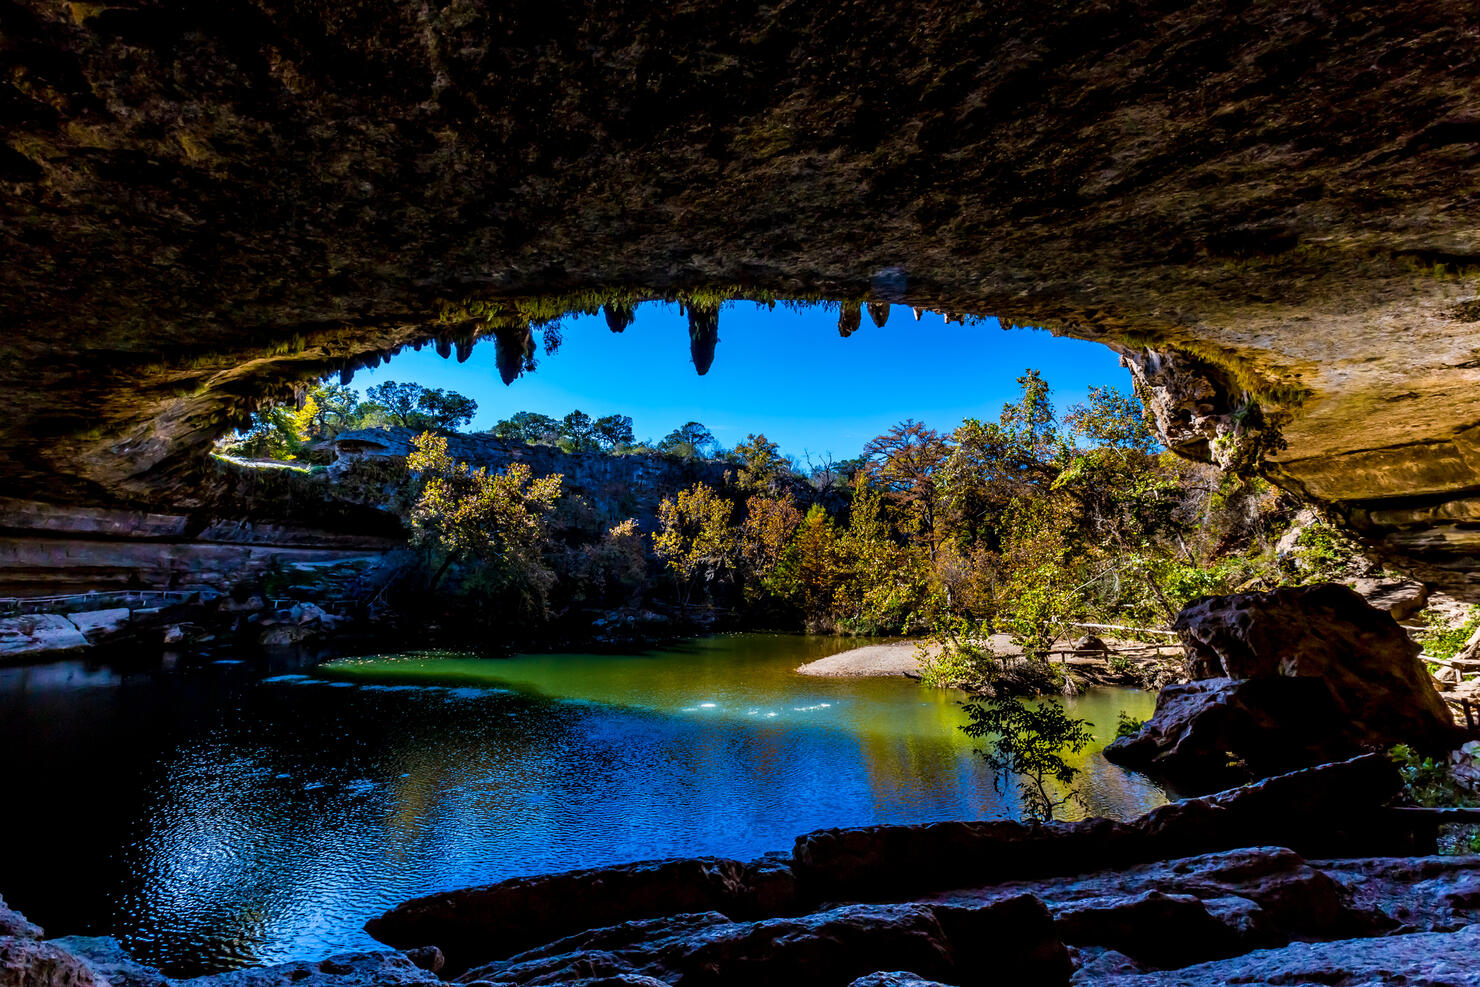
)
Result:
{"points": [[1030, 743]]}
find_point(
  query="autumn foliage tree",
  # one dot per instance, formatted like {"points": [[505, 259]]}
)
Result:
{"points": [[497, 520], [694, 538]]}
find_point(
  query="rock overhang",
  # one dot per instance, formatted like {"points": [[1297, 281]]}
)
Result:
{"points": [[207, 207]]}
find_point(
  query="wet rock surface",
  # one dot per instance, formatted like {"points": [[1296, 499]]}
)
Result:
{"points": [[1287, 678]]}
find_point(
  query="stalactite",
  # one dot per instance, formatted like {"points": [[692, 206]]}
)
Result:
{"points": [[850, 317], [703, 335], [346, 374], [619, 316], [918, 312], [879, 312], [465, 348], [513, 351]]}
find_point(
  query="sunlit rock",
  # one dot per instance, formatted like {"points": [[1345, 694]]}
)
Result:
{"points": [[879, 312]]}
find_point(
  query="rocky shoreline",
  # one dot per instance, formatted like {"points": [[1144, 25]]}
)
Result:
{"points": [[1301, 878]]}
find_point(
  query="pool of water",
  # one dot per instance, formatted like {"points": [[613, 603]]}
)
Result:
{"points": [[221, 813]]}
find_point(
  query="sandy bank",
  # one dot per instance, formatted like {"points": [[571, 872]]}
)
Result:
{"points": [[900, 658]]}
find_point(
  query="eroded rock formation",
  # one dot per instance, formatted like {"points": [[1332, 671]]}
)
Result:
{"points": [[1288, 678], [207, 206]]}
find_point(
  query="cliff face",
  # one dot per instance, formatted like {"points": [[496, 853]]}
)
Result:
{"points": [[1272, 207]]}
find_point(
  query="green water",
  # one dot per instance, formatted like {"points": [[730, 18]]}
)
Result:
{"points": [[749, 681], [223, 813]]}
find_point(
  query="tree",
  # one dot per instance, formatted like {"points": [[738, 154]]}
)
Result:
{"points": [[695, 539], [446, 410], [578, 432], [1030, 743], [528, 426], [614, 432], [762, 467], [328, 410], [765, 533], [397, 402], [809, 570], [691, 441], [905, 463], [497, 519], [272, 434], [411, 405]]}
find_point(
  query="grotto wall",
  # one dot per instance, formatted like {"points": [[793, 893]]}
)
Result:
{"points": [[208, 204]]}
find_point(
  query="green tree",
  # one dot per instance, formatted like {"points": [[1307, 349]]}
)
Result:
{"points": [[272, 434], [446, 410], [496, 519], [578, 433], [1030, 743], [528, 426], [691, 441], [614, 432], [411, 405]]}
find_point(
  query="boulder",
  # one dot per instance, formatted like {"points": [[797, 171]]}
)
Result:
{"points": [[1401, 598], [1295, 676], [372, 969], [1014, 938], [895, 979], [112, 962], [1418, 960], [1090, 646], [1153, 928], [429, 958], [1270, 725], [1325, 810], [26, 962], [13, 923], [475, 925]]}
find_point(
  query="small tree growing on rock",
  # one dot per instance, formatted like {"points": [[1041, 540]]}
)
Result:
{"points": [[1031, 741], [498, 519]]}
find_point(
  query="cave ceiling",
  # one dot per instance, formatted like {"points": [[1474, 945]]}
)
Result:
{"points": [[1272, 209]]}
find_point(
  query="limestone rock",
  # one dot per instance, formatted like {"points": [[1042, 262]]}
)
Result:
{"points": [[1464, 766], [1312, 674], [371, 969], [1418, 960], [28, 962], [109, 960], [824, 949], [38, 634], [429, 958], [474, 925], [98, 624], [1402, 598], [1271, 725], [895, 979], [13, 923], [1153, 928]]}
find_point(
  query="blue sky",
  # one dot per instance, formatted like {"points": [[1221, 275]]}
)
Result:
{"points": [[784, 373]]}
